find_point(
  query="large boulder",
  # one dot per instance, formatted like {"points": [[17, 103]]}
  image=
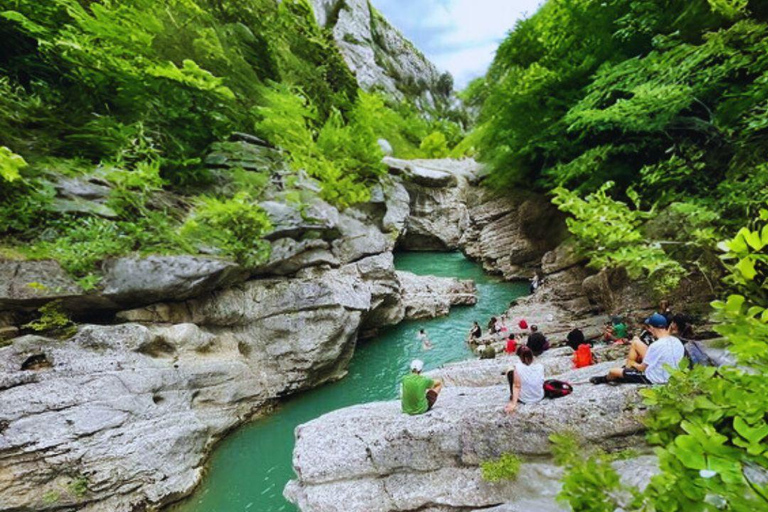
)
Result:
{"points": [[381, 450], [430, 296], [136, 281], [33, 283]]}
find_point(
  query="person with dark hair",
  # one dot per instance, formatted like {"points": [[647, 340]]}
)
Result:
{"points": [[535, 282], [476, 332], [575, 338], [426, 343], [511, 347], [492, 326], [526, 380], [680, 325], [537, 342], [646, 365]]}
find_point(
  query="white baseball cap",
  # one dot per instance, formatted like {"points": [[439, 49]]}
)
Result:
{"points": [[417, 365]]}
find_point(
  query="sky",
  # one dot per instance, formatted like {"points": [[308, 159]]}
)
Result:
{"points": [[460, 36]]}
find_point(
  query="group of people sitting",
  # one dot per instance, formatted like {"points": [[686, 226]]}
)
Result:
{"points": [[655, 347], [527, 336]]}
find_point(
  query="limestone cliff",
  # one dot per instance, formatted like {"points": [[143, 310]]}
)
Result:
{"points": [[380, 56]]}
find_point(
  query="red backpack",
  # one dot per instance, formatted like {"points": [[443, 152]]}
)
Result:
{"points": [[554, 388], [583, 356]]}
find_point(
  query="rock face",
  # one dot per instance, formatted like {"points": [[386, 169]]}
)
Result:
{"points": [[33, 283], [509, 235], [132, 409], [399, 462], [380, 56], [430, 296]]}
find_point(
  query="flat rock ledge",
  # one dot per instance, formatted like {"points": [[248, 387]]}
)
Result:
{"points": [[374, 458], [430, 296]]}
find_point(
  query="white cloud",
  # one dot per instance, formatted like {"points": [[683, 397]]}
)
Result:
{"points": [[459, 36]]}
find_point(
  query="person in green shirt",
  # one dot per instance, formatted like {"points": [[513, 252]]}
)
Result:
{"points": [[419, 393]]}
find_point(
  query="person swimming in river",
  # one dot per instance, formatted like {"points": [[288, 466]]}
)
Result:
{"points": [[426, 344]]}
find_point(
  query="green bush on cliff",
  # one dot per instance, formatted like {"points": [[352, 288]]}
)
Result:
{"points": [[236, 225], [609, 233]]}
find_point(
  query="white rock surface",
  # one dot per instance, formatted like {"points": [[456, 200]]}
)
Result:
{"points": [[378, 458], [430, 296]]}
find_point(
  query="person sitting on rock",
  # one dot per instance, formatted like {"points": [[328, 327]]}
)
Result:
{"points": [[526, 380], [615, 331], [476, 332], [492, 326], [419, 393], [535, 282], [537, 342], [511, 346], [501, 325], [574, 339], [646, 365]]}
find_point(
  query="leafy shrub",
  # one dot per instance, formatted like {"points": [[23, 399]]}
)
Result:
{"points": [[83, 243], [237, 226], [343, 156], [434, 145], [53, 320], [590, 482], [505, 467], [608, 232], [10, 164]]}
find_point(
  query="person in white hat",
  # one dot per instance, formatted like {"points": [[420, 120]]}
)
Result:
{"points": [[419, 393]]}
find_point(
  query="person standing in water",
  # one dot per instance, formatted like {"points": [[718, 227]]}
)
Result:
{"points": [[426, 344]]}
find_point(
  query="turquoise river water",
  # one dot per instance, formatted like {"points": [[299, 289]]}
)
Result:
{"points": [[249, 469]]}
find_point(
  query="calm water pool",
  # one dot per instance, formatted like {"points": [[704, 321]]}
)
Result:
{"points": [[249, 469]]}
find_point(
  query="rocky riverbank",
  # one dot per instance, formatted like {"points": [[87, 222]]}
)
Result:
{"points": [[176, 351], [431, 461]]}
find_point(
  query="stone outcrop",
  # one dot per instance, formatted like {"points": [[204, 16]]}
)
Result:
{"points": [[508, 234], [401, 462], [380, 57], [132, 409], [430, 296]]}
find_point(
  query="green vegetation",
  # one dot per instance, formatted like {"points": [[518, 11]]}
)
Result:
{"points": [[51, 497], [709, 424], [667, 100], [79, 486], [590, 483], [132, 95], [505, 468], [647, 122], [53, 320]]}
